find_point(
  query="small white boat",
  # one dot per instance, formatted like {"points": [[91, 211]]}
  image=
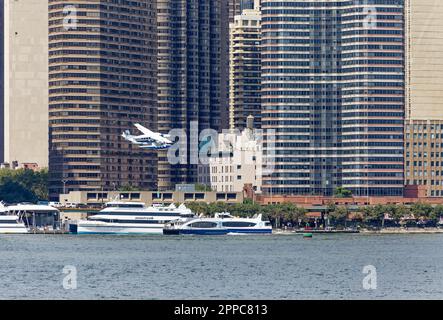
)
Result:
{"points": [[198, 226], [221, 224], [254, 225]]}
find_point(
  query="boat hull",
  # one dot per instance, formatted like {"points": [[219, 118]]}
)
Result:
{"points": [[117, 230], [19, 230], [204, 232], [249, 231]]}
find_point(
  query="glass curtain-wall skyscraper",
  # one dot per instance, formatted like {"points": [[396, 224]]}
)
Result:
{"points": [[333, 90], [102, 80], [189, 77]]}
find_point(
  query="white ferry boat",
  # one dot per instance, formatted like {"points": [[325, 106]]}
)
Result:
{"points": [[130, 218], [221, 224], [10, 224], [254, 225], [198, 226]]}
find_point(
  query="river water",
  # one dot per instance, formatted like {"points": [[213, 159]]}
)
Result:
{"points": [[224, 267]]}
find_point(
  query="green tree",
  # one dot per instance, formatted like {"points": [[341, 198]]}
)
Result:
{"points": [[300, 215], [14, 192], [437, 212], [198, 207], [401, 211], [421, 210], [217, 207], [341, 192], [331, 206], [379, 214], [276, 214], [30, 182], [202, 187], [339, 215], [267, 211]]}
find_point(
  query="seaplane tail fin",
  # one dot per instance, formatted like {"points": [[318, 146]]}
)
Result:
{"points": [[126, 134]]}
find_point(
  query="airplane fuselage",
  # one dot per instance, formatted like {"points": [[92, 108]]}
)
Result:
{"points": [[149, 140]]}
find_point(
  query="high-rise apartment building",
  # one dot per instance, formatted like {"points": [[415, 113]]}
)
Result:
{"points": [[245, 68], [189, 79], [24, 91], [237, 6], [230, 9], [102, 80], [333, 91]]}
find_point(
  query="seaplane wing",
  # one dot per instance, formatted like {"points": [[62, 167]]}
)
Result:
{"points": [[155, 136], [144, 130]]}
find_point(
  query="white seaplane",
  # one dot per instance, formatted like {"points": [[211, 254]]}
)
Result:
{"points": [[148, 140]]}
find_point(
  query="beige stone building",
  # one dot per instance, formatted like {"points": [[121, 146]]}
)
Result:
{"points": [[424, 95], [238, 163], [424, 59], [424, 155], [26, 82], [94, 198]]}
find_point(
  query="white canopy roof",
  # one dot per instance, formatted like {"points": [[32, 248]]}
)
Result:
{"points": [[30, 207]]}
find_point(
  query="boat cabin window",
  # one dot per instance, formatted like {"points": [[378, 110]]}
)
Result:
{"points": [[145, 213], [238, 224], [128, 221], [203, 225], [268, 224], [8, 221], [125, 205], [187, 215]]}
